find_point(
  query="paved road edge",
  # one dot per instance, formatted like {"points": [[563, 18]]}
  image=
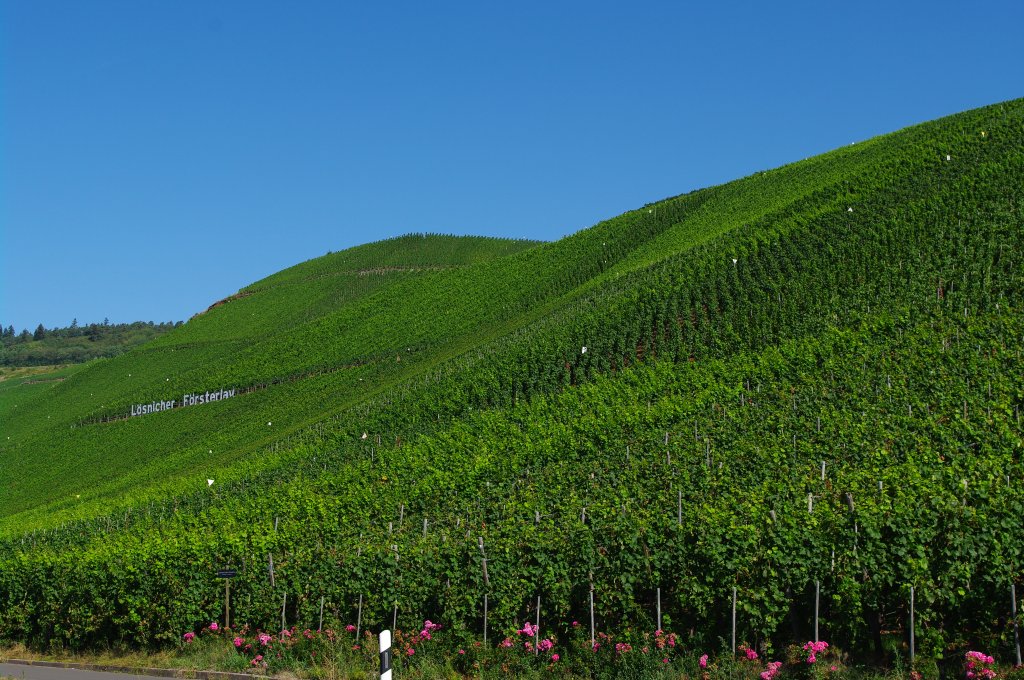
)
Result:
{"points": [[153, 672]]}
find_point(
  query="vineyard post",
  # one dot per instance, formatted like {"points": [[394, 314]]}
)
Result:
{"points": [[1016, 626], [394, 617], [227, 604], [486, 584], [817, 594], [911, 625], [734, 620], [591, 610], [679, 509], [359, 619], [284, 604], [659, 608], [321, 626], [536, 630]]}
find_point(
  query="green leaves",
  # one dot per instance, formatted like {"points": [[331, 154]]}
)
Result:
{"points": [[682, 451]]}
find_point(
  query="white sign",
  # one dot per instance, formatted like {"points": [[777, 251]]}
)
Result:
{"points": [[186, 400]]}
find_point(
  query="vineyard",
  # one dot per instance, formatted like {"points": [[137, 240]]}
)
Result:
{"points": [[804, 382]]}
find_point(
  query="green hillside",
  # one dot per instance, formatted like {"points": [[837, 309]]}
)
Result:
{"points": [[811, 374]]}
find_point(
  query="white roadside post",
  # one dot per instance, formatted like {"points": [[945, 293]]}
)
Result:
{"points": [[385, 655]]}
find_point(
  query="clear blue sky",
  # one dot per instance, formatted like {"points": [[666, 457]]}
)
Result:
{"points": [[156, 156]]}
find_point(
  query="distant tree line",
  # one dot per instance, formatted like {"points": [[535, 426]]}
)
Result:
{"points": [[75, 344]]}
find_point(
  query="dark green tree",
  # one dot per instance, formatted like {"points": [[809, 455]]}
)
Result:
{"points": [[40, 333]]}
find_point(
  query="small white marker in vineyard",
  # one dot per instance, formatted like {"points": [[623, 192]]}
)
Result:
{"points": [[849, 210], [209, 482], [584, 350], [364, 436], [734, 260], [948, 158]]}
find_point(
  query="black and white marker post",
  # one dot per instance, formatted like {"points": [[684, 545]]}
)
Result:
{"points": [[385, 655]]}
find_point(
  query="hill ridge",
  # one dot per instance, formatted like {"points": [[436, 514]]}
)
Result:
{"points": [[678, 397]]}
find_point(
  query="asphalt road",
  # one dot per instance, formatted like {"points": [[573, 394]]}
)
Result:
{"points": [[23, 672]]}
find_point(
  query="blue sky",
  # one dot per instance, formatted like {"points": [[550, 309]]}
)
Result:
{"points": [[156, 156]]}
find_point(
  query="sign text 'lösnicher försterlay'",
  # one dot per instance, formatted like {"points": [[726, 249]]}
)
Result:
{"points": [[186, 400]]}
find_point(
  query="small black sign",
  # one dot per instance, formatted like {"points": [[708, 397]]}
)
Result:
{"points": [[227, 573]]}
